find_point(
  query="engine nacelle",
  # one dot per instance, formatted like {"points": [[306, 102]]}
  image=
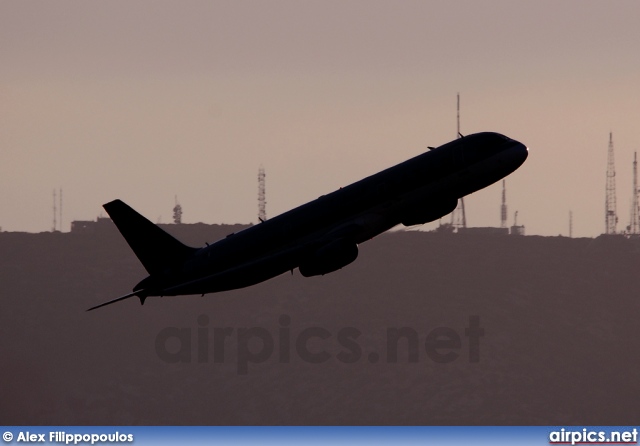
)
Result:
{"points": [[329, 258], [429, 212]]}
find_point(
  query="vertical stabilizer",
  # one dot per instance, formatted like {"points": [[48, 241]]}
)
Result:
{"points": [[156, 249]]}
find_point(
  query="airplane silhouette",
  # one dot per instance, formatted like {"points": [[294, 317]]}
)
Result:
{"points": [[321, 236]]}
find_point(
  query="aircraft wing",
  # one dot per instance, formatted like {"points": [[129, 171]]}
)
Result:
{"points": [[243, 275], [265, 267]]}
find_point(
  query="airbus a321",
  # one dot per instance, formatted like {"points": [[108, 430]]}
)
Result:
{"points": [[323, 235]]}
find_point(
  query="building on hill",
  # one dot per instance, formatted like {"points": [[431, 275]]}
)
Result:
{"points": [[89, 226]]}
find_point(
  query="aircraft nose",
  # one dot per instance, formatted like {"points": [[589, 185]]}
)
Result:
{"points": [[517, 153]]}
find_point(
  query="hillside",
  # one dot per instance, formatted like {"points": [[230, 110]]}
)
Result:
{"points": [[559, 315]]}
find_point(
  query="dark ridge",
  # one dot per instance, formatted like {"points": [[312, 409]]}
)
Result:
{"points": [[560, 344]]}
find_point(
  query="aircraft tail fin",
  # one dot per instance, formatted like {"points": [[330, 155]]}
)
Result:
{"points": [[155, 249]]}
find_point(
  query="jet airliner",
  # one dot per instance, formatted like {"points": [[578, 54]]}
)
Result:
{"points": [[323, 235]]}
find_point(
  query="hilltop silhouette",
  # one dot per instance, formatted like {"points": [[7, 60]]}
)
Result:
{"points": [[559, 317]]}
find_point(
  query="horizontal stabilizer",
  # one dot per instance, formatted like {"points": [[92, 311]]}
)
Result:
{"points": [[115, 300]]}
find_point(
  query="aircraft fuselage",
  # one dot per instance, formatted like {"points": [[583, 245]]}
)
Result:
{"points": [[416, 191], [323, 235]]}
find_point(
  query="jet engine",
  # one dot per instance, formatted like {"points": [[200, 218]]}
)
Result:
{"points": [[433, 211], [329, 258]]}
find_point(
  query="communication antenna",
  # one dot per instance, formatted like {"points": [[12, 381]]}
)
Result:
{"points": [[634, 227], [570, 224], [503, 208], [262, 203], [55, 212], [611, 218], [177, 212], [459, 216], [60, 222], [458, 115]]}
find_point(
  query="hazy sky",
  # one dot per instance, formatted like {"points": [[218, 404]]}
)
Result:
{"points": [[148, 99]]}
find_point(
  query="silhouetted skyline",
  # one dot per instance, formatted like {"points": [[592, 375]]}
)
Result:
{"points": [[142, 102]]}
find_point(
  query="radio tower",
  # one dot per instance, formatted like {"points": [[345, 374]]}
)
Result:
{"points": [[611, 218], [634, 227], [503, 208], [570, 224], [262, 203], [55, 212], [459, 217], [177, 212]]}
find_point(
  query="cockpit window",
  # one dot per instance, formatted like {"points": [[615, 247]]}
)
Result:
{"points": [[483, 145], [492, 138]]}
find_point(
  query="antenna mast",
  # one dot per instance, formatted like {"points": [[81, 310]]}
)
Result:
{"points": [[459, 216], [60, 220], [503, 208], [634, 227], [177, 212], [611, 218], [55, 212], [570, 224], [458, 115], [262, 203]]}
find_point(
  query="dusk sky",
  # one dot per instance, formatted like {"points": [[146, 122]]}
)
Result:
{"points": [[146, 100]]}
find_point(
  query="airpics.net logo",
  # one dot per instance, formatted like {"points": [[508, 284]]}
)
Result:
{"points": [[592, 436], [314, 345]]}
